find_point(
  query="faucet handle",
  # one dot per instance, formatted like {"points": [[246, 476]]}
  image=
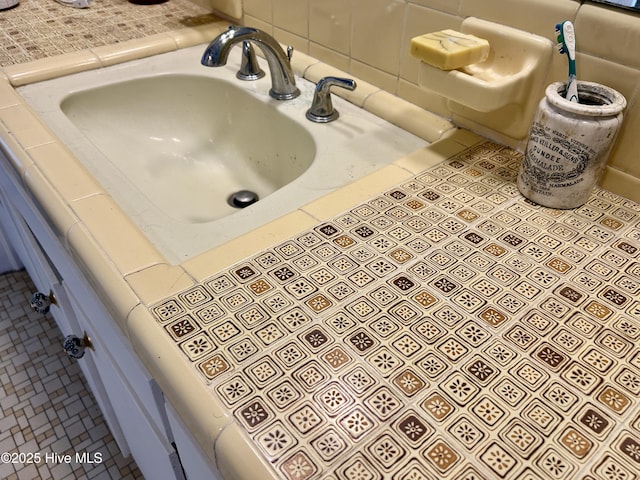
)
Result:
{"points": [[249, 68], [322, 110], [289, 52]]}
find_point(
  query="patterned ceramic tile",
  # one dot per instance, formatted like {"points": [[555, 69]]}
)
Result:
{"points": [[38, 29], [446, 328]]}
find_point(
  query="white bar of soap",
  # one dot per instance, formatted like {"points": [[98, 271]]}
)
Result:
{"points": [[449, 49]]}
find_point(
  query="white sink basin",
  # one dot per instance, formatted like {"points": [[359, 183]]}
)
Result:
{"points": [[170, 140], [188, 142]]}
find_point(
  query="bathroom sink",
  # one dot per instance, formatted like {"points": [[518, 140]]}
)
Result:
{"points": [[171, 141], [189, 142]]}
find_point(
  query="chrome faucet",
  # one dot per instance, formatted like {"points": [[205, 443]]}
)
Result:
{"points": [[283, 83], [249, 68], [321, 110]]}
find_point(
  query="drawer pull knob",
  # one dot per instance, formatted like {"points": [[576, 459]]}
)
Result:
{"points": [[75, 346], [41, 303]]}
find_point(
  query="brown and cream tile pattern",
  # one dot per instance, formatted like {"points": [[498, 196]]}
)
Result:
{"points": [[446, 328], [37, 29]]}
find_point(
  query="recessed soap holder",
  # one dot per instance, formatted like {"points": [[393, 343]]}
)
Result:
{"points": [[516, 66]]}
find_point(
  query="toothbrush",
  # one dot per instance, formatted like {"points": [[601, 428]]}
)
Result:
{"points": [[567, 44]]}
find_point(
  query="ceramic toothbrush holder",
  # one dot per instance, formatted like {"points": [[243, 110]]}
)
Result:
{"points": [[569, 144]]}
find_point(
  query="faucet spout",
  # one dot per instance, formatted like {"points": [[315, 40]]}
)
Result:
{"points": [[283, 83]]}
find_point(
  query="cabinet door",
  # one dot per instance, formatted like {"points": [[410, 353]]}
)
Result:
{"points": [[22, 241], [92, 372], [136, 377], [146, 439], [195, 464], [9, 260]]}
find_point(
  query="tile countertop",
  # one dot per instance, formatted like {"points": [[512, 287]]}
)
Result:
{"points": [[38, 29], [442, 328], [424, 322]]}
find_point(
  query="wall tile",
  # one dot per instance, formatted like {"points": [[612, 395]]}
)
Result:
{"points": [[609, 33], [625, 153], [621, 183], [625, 80], [377, 77], [376, 33], [423, 98], [539, 16], [371, 40], [330, 24], [298, 42], [421, 20], [258, 23], [292, 16], [231, 8], [449, 6], [329, 56], [261, 9]]}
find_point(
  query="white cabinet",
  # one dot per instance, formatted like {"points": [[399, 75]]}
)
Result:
{"points": [[9, 260], [130, 401], [195, 464], [131, 393]]}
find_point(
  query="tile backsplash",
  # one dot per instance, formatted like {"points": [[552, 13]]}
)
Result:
{"points": [[370, 40]]}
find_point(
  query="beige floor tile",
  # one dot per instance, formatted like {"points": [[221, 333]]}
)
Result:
{"points": [[44, 403]]}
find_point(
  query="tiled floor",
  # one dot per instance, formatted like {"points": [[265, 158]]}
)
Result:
{"points": [[444, 329], [45, 407]]}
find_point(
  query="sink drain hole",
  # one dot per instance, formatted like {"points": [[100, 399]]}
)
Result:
{"points": [[242, 198]]}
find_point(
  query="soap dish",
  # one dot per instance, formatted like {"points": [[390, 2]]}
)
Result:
{"points": [[516, 65]]}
